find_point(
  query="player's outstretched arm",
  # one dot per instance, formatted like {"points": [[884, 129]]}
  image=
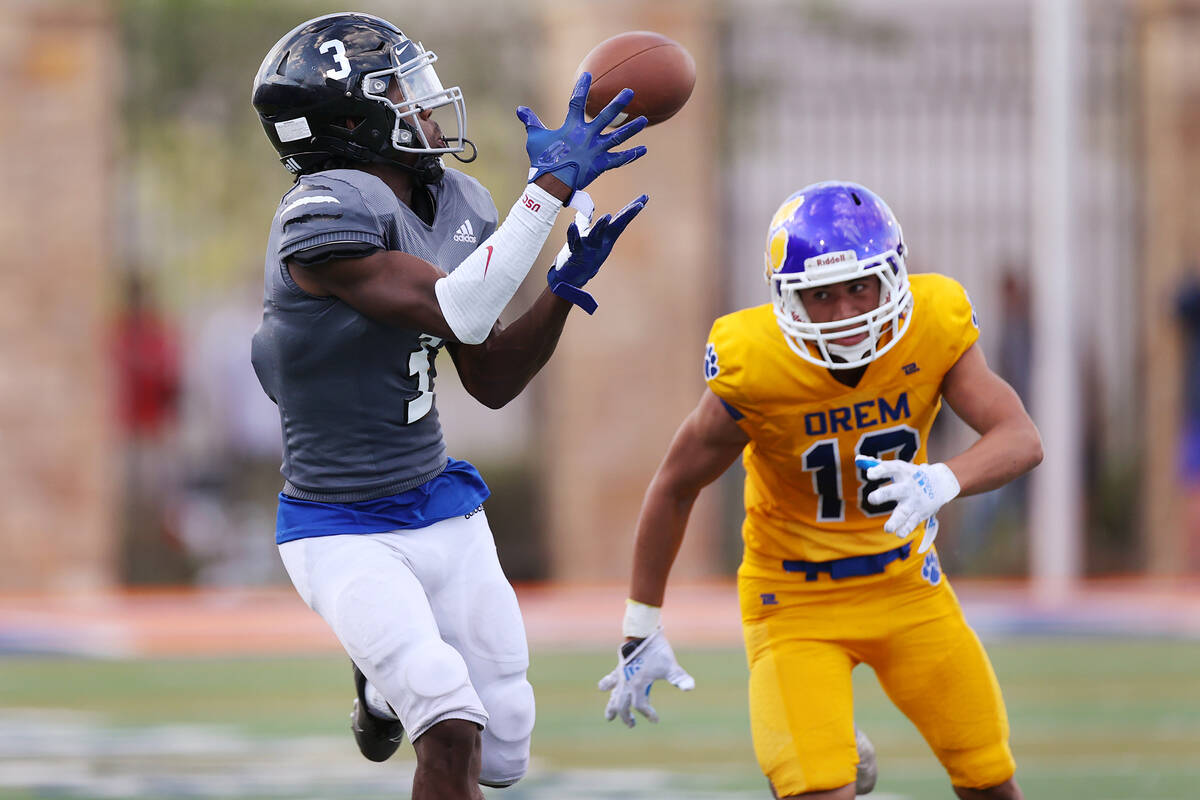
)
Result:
{"points": [[1009, 444], [705, 445], [397, 288], [497, 370], [567, 158]]}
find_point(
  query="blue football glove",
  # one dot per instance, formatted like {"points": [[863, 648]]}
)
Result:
{"points": [[585, 250], [577, 152]]}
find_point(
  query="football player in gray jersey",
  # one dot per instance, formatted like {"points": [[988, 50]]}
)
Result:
{"points": [[378, 257]]}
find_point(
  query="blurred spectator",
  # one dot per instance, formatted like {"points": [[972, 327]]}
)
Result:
{"points": [[233, 446], [1187, 306], [145, 356], [1015, 357]]}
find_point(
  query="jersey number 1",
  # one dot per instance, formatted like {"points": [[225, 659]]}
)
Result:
{"points": [[825, 463], [420, 366]]}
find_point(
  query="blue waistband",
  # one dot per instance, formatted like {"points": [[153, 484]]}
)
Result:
{"points": [[851, 567], [456, 491]]}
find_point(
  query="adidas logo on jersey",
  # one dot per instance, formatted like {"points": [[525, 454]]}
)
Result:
{"points": [[465, 233]]}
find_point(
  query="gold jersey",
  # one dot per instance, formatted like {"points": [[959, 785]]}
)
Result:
{"points": [[805, 498]]}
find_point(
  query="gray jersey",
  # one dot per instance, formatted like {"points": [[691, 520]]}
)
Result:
{"points": [[355, 396]]}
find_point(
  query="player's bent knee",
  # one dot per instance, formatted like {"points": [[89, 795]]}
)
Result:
{"points": [[427, 681], [435, 669], [506, 739], [511, 710]]}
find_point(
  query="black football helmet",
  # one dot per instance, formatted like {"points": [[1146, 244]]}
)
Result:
{"points": [[340, 67]]}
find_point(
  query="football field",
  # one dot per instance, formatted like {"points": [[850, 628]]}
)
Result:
{"points": [[1096, 718]]}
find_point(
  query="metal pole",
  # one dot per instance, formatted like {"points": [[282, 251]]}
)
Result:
{"points": [[1055, 512]]}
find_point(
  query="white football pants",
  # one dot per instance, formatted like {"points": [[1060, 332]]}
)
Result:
{"points": [[432, 622]]}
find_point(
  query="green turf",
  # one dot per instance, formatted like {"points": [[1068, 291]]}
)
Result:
{"points": [[1091, 718], [1101, 719], [261, 696]]}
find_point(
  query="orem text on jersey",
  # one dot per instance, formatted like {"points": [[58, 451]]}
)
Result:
{"points": [[865, 414]]}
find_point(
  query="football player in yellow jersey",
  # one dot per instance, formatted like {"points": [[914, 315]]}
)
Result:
{"points": [[828, 393]]}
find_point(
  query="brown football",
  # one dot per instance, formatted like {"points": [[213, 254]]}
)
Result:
{"points": [[658, 69]]}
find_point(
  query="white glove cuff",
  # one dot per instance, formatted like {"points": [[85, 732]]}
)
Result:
{"points": [[472, 296], [945, 480], [641, 620]]}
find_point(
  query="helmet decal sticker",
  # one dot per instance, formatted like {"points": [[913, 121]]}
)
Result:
{"points": [[293, 130]]}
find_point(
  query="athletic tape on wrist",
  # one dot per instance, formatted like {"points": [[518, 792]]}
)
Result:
{"points": [[581, 201], [640, 620], [473, 295]]}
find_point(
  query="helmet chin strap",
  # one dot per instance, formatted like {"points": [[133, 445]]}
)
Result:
{"points": [[850, 352], [431, 169], [465, 141], [428, 169]]}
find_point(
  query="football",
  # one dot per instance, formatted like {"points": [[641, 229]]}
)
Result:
{"points": [[660, 71]]}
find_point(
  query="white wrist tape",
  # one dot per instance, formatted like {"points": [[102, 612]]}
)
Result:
{"points": [[473, 295], [581, 201], [641, 620]]}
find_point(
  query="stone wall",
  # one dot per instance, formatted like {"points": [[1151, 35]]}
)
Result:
{"points": [[622, 380], [58, 95]]}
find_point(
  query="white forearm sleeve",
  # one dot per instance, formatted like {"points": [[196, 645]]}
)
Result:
{"points": [[473, 295]]}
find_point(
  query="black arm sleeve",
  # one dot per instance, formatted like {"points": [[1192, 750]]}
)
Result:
{"points": [[333, 250]]}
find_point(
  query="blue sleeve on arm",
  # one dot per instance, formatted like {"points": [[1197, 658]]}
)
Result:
{"points": [[733, 412]]}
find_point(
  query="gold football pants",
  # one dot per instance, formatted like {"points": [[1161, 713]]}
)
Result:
{"points": [[803, 638]]}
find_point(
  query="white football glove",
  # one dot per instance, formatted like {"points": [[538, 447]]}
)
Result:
{"points": [[918, 489], [630, 682], [584, 209]]}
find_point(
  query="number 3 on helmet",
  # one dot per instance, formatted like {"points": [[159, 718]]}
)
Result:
{"points": [[828, 233], [325, 91]]}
